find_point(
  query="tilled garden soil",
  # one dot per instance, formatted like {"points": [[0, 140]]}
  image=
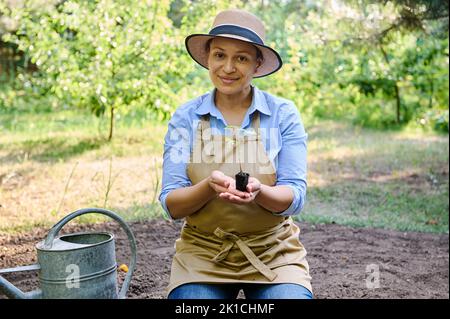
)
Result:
{"points": [[343, 260]]}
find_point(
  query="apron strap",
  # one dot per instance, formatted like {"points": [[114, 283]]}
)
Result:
{"points": [[196, 155], [256, 123], [206, 128], [229, 241], [205, 121], [198, 133]]}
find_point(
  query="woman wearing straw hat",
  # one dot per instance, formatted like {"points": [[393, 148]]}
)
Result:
{"points": [[237, 234]]}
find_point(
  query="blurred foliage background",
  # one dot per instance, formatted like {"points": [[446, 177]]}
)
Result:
{"points": [[370, 79], [381, 64]]}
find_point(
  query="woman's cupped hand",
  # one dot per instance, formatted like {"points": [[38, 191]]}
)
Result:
{"points": [[225, 187]]}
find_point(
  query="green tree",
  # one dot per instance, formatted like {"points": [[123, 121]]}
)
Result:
{"points": [[108, 56], [376, 63]]}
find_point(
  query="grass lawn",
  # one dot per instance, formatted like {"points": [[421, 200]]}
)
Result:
{"points": [[54, 163], [388, 179]]}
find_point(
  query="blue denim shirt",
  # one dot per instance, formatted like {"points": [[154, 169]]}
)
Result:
{"points": [[282, 131]]}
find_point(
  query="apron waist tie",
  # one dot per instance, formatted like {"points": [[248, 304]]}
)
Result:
{"points": [[229, 241]]}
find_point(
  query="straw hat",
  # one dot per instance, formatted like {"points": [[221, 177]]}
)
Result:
{"points": [[240, 25]]}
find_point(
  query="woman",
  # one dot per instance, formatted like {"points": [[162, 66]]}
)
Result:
{"points": [[236, 239]]}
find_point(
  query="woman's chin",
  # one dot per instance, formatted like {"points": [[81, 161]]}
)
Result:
{"points": [[227, 89]]}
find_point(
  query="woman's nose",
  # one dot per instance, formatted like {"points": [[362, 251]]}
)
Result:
{"points": [[229, 66]]}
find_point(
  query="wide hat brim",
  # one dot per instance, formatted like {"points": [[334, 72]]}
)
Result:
{"points": [[196, 46]]}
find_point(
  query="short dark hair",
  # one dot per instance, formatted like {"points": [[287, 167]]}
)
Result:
{"points": [[259, 55]]}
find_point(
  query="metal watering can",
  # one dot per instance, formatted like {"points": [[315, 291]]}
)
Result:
{"points": [[76, 266]]}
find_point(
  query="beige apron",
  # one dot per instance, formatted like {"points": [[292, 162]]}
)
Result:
{"points": [[228, 243]]}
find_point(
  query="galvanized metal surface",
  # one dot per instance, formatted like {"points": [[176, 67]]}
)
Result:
{"points": [[20, 268], [77, 266], [84, 267]]}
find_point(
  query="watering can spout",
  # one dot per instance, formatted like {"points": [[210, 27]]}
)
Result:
{"points": [[12, 291]]}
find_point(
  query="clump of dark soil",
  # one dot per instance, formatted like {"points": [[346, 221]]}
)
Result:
{"points": [[343, 260]]}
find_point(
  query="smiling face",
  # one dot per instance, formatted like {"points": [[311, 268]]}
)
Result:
{"points": [[232, 64]]}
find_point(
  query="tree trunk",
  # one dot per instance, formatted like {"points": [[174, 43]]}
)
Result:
{"points": [[430, 99], [111, 124], [397, 98], [396, 88]]}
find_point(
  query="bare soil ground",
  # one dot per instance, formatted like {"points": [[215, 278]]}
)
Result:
{"points": [[411, 265]]}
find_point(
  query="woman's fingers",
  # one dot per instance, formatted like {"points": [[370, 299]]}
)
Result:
{"points": [[232, 189], [235, 199], [220, 189], [238, 193], [216, 177], [219, 178], [253, 185], [226, 184], [250, 187]]}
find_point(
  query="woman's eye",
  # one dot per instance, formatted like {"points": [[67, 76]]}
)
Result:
{"points": [[218, 55], [242, 58]]}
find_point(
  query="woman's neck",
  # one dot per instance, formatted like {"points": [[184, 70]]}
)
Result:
{"points": [[235, 102]]}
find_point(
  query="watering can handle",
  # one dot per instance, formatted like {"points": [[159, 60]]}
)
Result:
{"points": [[57, 227]]}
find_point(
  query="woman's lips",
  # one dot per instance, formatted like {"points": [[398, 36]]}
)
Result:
{"points": [[227, 80]]}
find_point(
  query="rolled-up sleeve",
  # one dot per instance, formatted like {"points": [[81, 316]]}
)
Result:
{"points": [[291, 170], [176, 156]]}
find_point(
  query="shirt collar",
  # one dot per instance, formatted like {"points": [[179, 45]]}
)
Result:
{"points": [[258, 103]]}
